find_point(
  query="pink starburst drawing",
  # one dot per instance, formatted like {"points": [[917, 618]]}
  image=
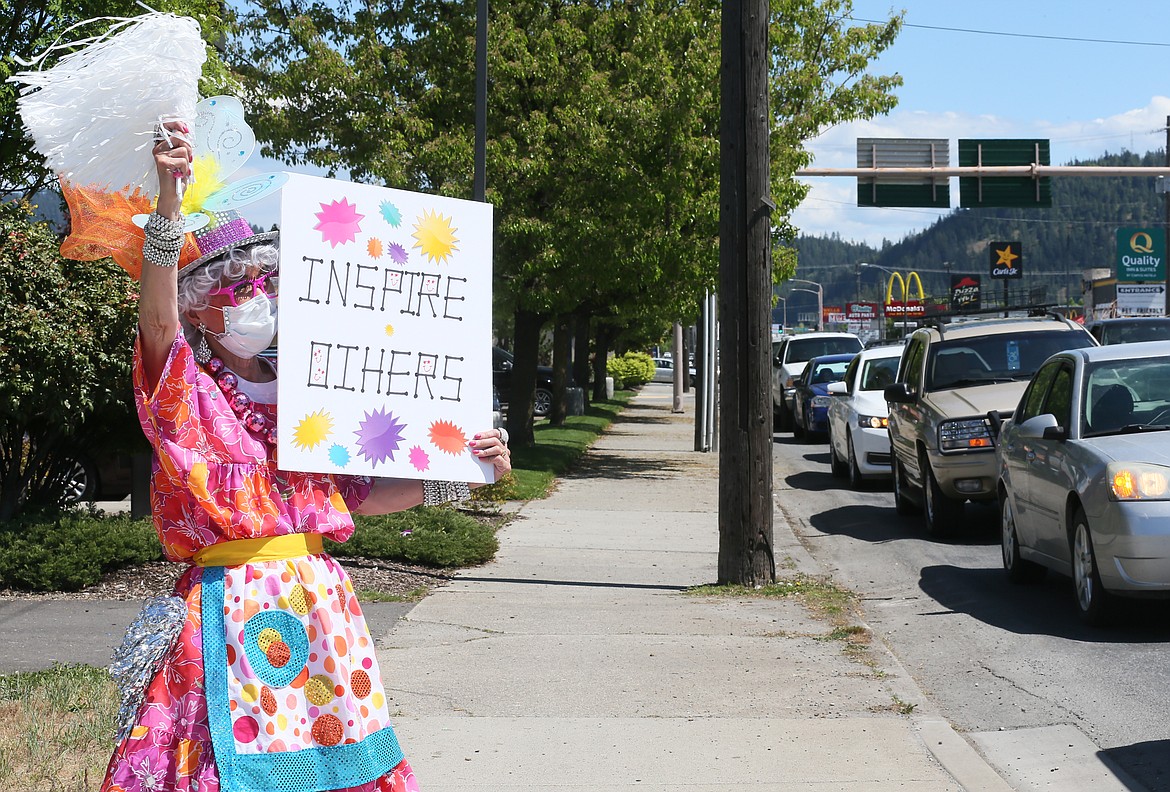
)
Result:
{"points": [[419, 458], [339, 222], [378, 436], [397, 253]]}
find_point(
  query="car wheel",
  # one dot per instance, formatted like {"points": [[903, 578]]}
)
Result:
{"points": [[942, 513], [1019, 570], [542, 405], [797, 424], [79, 484], [836, 464], [902, 504], [855, 480], [1092, 599]]}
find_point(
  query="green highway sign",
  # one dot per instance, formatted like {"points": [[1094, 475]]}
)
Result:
{"points": [[1141, 254], [1014, 191]]}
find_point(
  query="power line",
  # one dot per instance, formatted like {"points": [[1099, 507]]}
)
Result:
{"points": [[1020, 35]]}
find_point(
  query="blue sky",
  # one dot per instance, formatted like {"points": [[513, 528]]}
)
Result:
{"points": [[1106, 91]]}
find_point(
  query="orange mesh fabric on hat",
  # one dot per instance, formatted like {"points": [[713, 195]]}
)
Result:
{"points": [[101, 227]]}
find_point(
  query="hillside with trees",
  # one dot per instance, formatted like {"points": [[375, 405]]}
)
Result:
{"points": [[1077, 233]]}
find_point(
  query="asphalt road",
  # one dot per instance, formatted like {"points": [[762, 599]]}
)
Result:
{"points": [[996, 658]]}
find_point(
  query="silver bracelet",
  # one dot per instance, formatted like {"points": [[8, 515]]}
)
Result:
{"points": [[436, 493], [160, 258], [164, 240], [163, 229]]}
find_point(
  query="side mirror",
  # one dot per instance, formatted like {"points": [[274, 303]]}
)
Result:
{"points": [[899, 393], [505, 365], [838, 389], [1043, 427]]}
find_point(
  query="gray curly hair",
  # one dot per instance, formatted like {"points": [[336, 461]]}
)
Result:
{"points": [[195, 286]]}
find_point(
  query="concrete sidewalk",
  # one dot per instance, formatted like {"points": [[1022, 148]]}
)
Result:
{"points": [[575, 660]]}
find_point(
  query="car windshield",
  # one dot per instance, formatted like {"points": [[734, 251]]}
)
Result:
{"points": [[1003, 357], [1132, 332], [879, 373], [1127, 396], [828, 372], [802, 350]]}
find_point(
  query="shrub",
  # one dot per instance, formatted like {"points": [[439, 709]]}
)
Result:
{"points": [[72, 549], [630, 370], [433, 536]]}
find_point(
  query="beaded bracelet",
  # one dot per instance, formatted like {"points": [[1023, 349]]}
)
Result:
{"points": [[436, 493], [163, 229], [164, 240]]}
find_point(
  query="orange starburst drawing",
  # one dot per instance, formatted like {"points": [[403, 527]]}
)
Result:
{"points": [[448, 437], [374, 248]]}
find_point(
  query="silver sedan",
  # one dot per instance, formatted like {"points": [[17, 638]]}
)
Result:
{"points": [[1084, 475]]}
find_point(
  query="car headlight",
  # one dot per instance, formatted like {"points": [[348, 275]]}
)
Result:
{"points": [[964, 435], [821, 401], [790, 383], [872, 421], [1130, 481]]}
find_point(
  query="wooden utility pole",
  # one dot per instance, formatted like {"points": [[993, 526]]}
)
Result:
{"points": [[745, 300]]}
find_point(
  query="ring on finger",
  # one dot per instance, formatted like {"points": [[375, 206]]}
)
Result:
{"points": [[503, 435]]}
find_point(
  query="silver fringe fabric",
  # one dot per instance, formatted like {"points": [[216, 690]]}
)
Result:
{"points": [[139, 658]]}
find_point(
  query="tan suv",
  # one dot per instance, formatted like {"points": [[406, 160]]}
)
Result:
{"points": [[951, 376]]}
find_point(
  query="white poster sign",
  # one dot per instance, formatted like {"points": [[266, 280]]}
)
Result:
{"points": [[1141, 299], [385, 331]]}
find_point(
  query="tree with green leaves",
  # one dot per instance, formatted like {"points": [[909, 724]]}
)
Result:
{"points": [[64, 349], [602, 132]]}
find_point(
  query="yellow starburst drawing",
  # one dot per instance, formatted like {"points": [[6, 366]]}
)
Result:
{"points": [[389, 329], [313, 429], [436, 238]]}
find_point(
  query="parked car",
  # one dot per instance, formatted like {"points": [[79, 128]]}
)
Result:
{"points": [[90, 477], [811, 402], [789, 356], [502, 362], [1130, 329], [664, 370], [949, 379], [1084, 475], [859, 442]]}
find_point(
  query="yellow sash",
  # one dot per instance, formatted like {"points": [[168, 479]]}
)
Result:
{"points": [[266, 548]]}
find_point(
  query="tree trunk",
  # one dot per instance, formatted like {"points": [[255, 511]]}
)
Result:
{"points": [[527, 349], [581, 353], [562, 349], [745, 292], [600, 356]]}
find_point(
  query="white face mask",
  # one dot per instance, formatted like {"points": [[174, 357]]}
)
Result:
{"points": [[248, 329]]}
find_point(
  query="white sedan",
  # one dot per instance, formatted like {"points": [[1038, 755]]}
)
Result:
{"points": [[859, 444]]}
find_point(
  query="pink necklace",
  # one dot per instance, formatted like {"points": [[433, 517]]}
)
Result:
{"points": [[240, 402]]}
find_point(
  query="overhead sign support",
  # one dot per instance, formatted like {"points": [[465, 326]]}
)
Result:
{"points": [[923, 188], [1014, 191]]}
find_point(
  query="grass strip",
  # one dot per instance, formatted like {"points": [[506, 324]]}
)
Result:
{"points": [[56, 728]]}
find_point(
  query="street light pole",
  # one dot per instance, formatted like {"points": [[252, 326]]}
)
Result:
{"points": [[820, 293]]}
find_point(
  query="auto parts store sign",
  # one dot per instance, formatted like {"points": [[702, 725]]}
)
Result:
{"points": [[1141, 254]]}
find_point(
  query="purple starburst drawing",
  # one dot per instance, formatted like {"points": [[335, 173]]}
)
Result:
{"points": [[378, 436], [397, 253]]}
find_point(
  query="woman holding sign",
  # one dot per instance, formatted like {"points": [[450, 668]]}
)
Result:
{"points": [[270, 680]]}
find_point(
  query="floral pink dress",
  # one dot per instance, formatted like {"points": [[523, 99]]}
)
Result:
{"points": [[272, 682]]}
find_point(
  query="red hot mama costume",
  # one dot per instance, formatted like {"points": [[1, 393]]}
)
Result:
{"points": [[272, 682], [259, 673]]}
